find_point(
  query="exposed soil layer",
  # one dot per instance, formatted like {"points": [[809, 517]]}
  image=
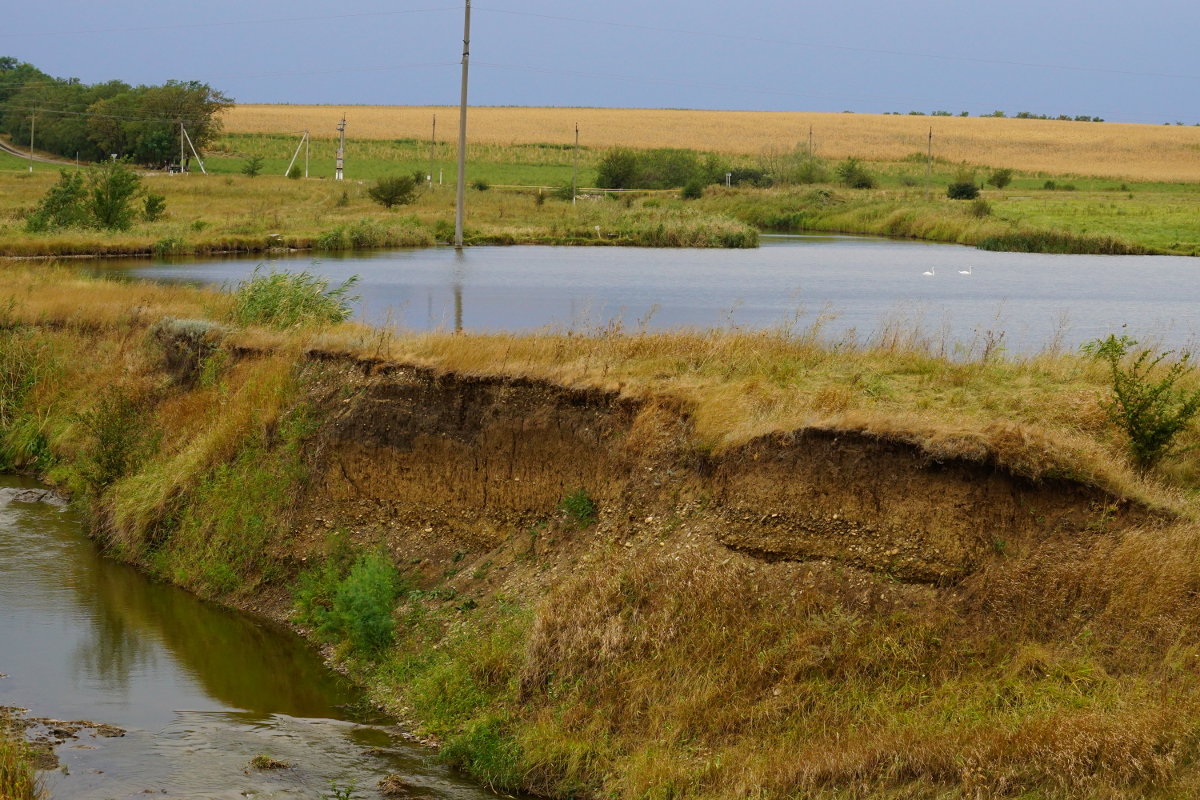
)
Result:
{"points": [[475, 460]]}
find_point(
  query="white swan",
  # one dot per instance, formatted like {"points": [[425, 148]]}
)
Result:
{"points": [[966, 271], [929, 271]]}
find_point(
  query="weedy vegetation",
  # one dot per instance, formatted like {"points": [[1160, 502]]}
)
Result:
{"points": [[291, 299], [18, 779]]}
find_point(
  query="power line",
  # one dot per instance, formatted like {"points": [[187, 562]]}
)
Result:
{"points": [[226, 23], [252, 75]]}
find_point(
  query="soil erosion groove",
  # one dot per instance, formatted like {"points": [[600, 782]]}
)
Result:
{"points": [[480, 459]]}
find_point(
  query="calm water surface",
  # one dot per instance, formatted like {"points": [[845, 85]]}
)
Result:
{"points": [[867, 287], [200, 690]]}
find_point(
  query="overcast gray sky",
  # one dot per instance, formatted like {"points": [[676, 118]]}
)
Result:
{"points": [[1127, 61]]}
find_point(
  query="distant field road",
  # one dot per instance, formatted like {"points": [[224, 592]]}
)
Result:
{"points": [[12, 151]]}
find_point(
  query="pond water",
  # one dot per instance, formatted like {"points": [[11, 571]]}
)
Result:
{"points": [[861, 287], [199, 690]]}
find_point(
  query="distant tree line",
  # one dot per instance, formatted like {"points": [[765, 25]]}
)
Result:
{"points": [[94, 122], [1000, 114]]}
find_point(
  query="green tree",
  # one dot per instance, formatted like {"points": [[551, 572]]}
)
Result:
{"points": [[112, 189], [617, 169], [253, 166]]}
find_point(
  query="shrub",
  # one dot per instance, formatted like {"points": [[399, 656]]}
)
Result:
{"points": [[851, 173], [295, 173], [663, 168], [962, 190], [480, 185], [357, 607], [980, 208], [287, 299], [1147, 403], [252, 167], [398, 190], [693, 189], [117, 428], [154, 207], [63, 205], [1000, 178], [749, 175]]}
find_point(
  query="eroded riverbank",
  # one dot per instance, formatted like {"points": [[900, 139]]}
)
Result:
{"points": [[700, 564]]}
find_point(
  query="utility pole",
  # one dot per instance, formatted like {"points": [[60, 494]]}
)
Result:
{"points": [[303, 143], [928, 163], [181, 147], [461, 194], [32, 125], [810, 141], [432, 151], [195, 153], [340, 162], [575, 167]]}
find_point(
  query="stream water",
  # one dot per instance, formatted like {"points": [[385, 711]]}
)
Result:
{"points": [[198, 689], [871, 287]]}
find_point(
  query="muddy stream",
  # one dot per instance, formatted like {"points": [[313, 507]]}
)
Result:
{"points": [[151, 692]]}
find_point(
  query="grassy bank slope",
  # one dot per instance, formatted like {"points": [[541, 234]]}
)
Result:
{"points": [[692, 565]]}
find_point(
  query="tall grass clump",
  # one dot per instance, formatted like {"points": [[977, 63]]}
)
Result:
{"points": [[291, 299], [367, 233], [18, 780]]}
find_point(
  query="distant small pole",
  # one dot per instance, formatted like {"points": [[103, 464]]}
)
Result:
{"points": [[461, 194], [433, 151], [928, 163], [340, 162], [575, 167], [181, 145], [810, 141], [307, 142], [32, 125]]}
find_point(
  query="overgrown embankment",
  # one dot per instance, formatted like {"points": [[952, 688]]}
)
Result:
{"points": [[688, 565]]}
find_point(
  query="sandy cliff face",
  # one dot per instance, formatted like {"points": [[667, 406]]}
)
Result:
{"points": [[483, 459]]}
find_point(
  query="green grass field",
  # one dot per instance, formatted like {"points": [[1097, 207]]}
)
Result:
{"points": [[226, 210], [520, 165]]}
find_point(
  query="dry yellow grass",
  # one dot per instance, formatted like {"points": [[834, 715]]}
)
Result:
{"points": [[1117, 150]]}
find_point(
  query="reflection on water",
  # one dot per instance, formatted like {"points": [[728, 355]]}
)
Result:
{"points": [[200, 690], [871, 287]]}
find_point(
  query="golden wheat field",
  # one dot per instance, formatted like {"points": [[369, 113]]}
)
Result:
{"points": [[1117, 150]]}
